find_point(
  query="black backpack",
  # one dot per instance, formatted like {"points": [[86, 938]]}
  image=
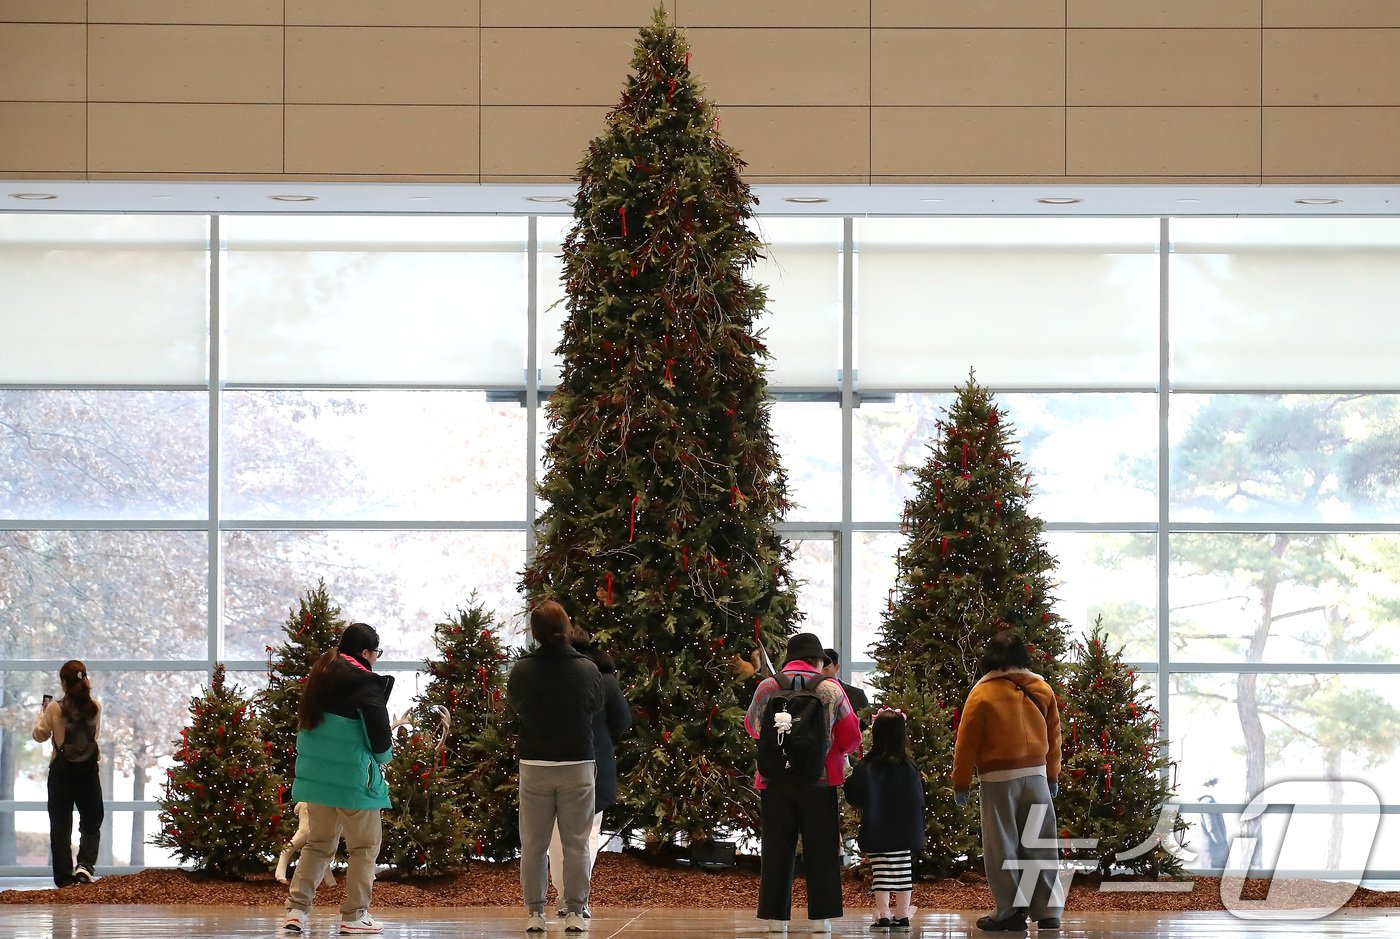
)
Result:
{"points": [[797, 754], [79, 744]]}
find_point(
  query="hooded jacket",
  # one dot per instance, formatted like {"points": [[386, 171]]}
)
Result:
{"points": [[338, 760], [1005, 734]]}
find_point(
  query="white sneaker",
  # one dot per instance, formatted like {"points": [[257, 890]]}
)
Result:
{"points": [[295, 921], [83, 874], [535, 922], [820, 925], [778, 926], [363, 924], [574, 922]]}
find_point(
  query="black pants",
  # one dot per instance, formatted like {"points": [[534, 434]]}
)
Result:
{"points": [[809, 811], [74, 785]]}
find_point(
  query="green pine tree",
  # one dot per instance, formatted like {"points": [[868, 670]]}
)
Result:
{"points": [[662, 478], [425, 832], [222, 806], [973, 562], [312, 628], [1114, 780]]}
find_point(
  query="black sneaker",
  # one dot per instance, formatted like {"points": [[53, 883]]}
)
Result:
{"points": [[83, 874], [900, 923], [1049, 922], [1016, 922], [882, 923]]}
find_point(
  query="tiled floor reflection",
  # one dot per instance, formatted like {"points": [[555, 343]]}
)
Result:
{"points": [[165, 922]]}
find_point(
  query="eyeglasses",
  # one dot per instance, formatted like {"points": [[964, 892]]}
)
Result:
{"points": [[376, 651]]}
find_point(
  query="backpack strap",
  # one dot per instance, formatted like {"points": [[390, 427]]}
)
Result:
{"points": [[1022, 688], [794, 676]]}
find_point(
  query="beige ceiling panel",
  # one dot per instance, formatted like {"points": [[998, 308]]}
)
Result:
{"points": [[968, 67], [800, 142], [967, 142], [774, 13], [42, 61], [189, 12], [1145, 142], [536, 142], [1332, 66], [50, 11], [406, 65], [1163, 66], [554, 66], [1331, 143], [42, 136], [1158, 14], [783, 66], [233, 139], [1010, 14], [382, 140], [381, 13], [1331, 13], [632, 14], [204, 64]]}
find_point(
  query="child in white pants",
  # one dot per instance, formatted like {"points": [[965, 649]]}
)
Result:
{"points": [[298, 842]]}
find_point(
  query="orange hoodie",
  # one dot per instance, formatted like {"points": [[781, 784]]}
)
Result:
{"points": [[1001, 730]]}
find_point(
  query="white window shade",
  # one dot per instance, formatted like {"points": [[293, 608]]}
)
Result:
{"points": [[1025, 302], [1297, 303], [104, 299], [375, 300]]}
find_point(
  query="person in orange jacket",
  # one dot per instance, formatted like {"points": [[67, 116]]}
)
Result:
{"points": [[1010, 735]]}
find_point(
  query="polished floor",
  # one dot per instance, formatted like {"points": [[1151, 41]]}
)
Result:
{"points": [[164, 922]]}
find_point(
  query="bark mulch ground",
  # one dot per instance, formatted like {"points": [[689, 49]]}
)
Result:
{"points": [[631, 881]]}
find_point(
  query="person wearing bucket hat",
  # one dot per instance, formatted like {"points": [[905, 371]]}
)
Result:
{"points": [[809, 809]]}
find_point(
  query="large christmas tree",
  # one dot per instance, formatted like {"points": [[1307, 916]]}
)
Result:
{"points": [[973, 562], [1115, 767], [312, 628], [223, 806], [662, 479]]}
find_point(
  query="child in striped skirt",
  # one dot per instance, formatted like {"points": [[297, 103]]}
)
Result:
{"points": [[887, 789]]}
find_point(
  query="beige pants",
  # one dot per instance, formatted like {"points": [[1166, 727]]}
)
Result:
{"points": [[361, 830]]}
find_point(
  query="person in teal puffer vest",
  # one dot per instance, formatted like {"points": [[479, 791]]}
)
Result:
{"points": [[341, 748]]}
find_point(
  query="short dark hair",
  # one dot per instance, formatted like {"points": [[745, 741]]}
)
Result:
{"points": [[1005, 650], [549, 623]]}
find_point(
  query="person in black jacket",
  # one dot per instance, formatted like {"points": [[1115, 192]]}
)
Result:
{"points": [[556, 694], [888, 791], [612, 722], [859, 702]]}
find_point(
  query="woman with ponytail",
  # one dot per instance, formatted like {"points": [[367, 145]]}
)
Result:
{"points": [[72, 724], [342, 742]]}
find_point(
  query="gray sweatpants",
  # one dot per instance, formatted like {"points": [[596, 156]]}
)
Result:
{"points": [[1006, 814], [548, 793]]}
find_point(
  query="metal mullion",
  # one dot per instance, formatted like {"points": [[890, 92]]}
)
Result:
{"points": [[1284, 668], [99, 386], [532, 378], [102, 524], [1269, 528], [369, 525], [374, 386], [844, 554], [107, 665], [1164, 652], [214, 576]]}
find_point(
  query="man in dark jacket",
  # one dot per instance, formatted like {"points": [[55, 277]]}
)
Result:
{"points": [[859, 702], [556, 694]]}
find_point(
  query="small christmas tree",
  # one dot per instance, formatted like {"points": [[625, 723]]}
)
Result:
{"points": [[973, 563], [311, 629], [425, 831], [222, 806], [662, 476], [1114, 777]]}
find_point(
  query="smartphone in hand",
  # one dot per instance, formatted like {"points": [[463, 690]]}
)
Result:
{"points": [[48, 699]]}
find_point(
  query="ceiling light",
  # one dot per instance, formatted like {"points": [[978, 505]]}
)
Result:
{"points": [[806, 200], [293, 198], [547, 198], [1188, 201], [420, 198], [33, 196], [933, 200], [1318, 201], [1059, 200]]}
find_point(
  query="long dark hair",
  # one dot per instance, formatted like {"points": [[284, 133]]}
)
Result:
{"points": [[1005, 650], [357, 639], [77, 703], [888, 736]]}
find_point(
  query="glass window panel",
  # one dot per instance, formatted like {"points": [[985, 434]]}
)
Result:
{"points": [[103, 594], [1285, 458], [1023, 301], [550, 295], [104, 298], [1295, 841], [1315, 727], [1295, 597], [375, 299], [873, 573], [1268, 301], [813, 567], [802, 325], [1112, 575], [401, 582], [384, 454], [807, 436], [1091, 456], [104, 454]]}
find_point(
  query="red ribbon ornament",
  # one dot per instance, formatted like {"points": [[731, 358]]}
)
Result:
{"points": [[632, 522], [608, 601]]}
